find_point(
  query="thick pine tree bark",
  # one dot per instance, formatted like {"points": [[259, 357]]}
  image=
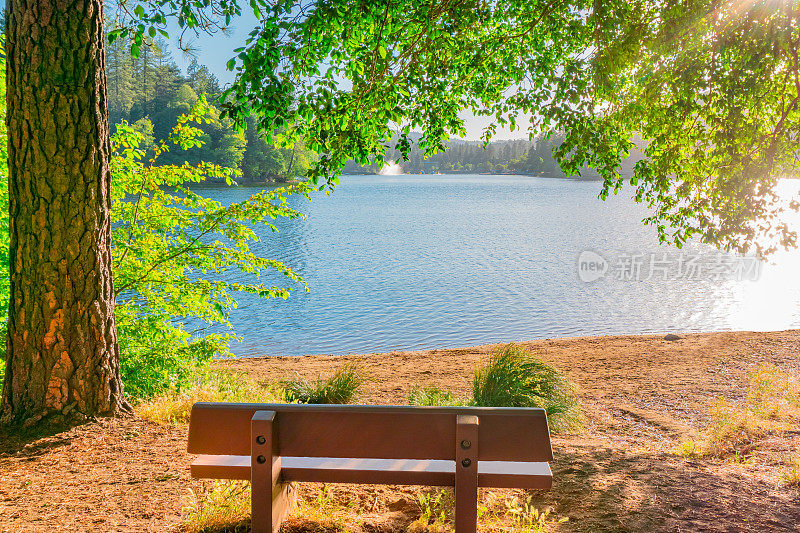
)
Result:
{"points": [[63, 357]]}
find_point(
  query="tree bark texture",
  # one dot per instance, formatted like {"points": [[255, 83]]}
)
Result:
{"points": [[63, 357]]}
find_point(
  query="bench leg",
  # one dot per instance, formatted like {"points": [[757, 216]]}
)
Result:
{"points": [[284, 501], [262, 475], [466, 474]]}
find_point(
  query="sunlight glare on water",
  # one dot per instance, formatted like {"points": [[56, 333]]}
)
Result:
{"points": [[772, 302]]}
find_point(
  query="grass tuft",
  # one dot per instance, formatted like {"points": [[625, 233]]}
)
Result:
{"points": [[174, 407], [341, 387], [514, 377], [226, 507], [432, 396]]}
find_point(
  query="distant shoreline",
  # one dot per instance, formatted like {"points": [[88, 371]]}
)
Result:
{"points": [[454, 173], [622, 342]]}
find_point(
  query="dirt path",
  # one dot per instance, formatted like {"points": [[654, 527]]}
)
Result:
{"points": [[641, 394]]}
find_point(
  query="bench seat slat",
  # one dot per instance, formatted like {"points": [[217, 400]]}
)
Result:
{"points": [[498, 474]]}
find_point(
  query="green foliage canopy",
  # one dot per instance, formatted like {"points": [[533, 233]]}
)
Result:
{"points": [[711, 86]]}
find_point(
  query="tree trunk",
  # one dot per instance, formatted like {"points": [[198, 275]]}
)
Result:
{"points": [[63, 357]]}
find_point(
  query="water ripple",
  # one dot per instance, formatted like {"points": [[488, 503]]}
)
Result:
{"points": [[412, 262]]}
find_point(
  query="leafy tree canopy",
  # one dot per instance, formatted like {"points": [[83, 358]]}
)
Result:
{"points": [[711, 86]]}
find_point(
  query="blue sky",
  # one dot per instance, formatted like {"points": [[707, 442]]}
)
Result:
{"points": [[215, 50]]}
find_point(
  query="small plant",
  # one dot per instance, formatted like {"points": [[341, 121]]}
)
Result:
{"points": [[435, 509], [742, 458], [175, 252], [174, 407], [434, 396], [690, 449], [225, 507], [791, 474], [528, 518], [516, 378], [158, 357], [341, 387]]}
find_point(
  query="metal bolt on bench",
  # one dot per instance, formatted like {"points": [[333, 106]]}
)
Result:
{"points": [[272, 445]]}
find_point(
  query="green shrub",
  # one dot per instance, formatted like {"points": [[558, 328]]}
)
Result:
{"points": [[158, 357], [175, 250], [516, 378], [434, 396], [341, 387]]}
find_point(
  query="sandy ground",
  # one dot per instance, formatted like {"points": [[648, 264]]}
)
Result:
{"points": [[642, 396]]}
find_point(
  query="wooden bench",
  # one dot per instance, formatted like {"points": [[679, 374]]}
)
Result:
{"points": [[271, 445]]}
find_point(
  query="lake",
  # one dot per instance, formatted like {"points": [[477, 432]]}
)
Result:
{"points": [[417, 262]]}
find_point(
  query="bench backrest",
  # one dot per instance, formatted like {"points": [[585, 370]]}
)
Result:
{"points": [[371, 432]]}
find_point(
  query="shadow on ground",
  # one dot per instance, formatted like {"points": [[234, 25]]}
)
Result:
{"points": [[36, 441], [617, 490]]}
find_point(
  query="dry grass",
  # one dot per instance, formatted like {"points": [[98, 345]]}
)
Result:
{"points": [[791, 473], [772, 406], [773, 394], [324, 512], [732, 430], [500, 513], [174, 407], [225, 507]]}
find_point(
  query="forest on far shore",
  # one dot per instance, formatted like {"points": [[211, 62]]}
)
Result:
{"points": [[518, 156], [150, 92]]}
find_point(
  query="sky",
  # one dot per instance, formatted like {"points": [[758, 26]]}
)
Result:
{"points": [[214, 51]]}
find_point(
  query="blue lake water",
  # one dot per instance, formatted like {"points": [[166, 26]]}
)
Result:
{"points": [[417, 262]]}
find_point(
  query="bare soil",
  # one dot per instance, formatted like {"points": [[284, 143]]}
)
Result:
{"points": [[642, 396]]}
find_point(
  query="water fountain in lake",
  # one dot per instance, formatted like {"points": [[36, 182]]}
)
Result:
{"points": [[390, 168]]}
